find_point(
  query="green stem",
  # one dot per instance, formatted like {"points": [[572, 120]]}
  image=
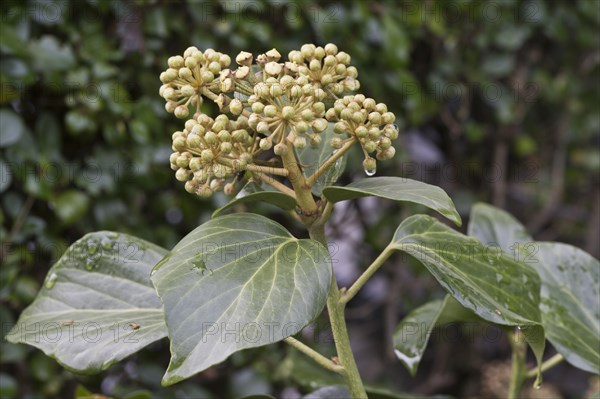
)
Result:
{"points": [[338, 326], [329, 162], [519, 350], [314, 355], [547, 365], [352, 291]]}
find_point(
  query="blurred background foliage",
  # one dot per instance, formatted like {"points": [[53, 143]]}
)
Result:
{"points": [[498, 102]]}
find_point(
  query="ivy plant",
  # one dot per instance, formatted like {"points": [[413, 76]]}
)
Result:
{"points": [[242, 280]]}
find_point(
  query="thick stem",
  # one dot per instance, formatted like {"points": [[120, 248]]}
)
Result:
{"points": [[519, 350], [303, 194], [338, 326]]}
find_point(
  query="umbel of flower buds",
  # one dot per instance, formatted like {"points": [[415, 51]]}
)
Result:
{"points": [[269, 107]]}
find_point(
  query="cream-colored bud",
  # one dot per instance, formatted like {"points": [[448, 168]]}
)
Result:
{"points": [[227, 85], [287, 112], [182, 174], [358, 117], [319, 53], [224, 136], [307, 50], [242, 72], [169, 94], [210, 137], [240, 136], [388, 153], [273, 68], [191, 186], [369, 104], [244, 58], [265, 144], [374, 133], [214, 67], [224, 60], [336, 143], [185, 73], [340, 69], [166, 77], [340, 127], [361, 132], [369, 164], [385, 143], [346, 114], [343, 58], [257, 108], [391, 131], [381, 108], [315, 140], [226, 147], [204, 191], [331, 49], [175, 61], [301, 127], [388, 117], [206, 76], [270, 111], [295, 91], [315, 65], [207, 155], [295, 56], [290, 67], [182, 161], [326, 79], [187, 90], [190, 62], [370, 146], [193, 141], [182, 112], [319, 125], [308, 115], [189, 51], [198, 56], [330, 115], [216, 185], [375, 118], [229, 188], [319, 108], [195, 164], [280, 149], [236, 107], [263, 128], [276, 90], [273, 55]]}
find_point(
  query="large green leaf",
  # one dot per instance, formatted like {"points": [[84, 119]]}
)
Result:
{"points": [[238, 281], [397, 189], [311, 158], [254, 192], [498, 228], [413, 332], [97, 305], [571, 302], [494, 226], [491, 283]]}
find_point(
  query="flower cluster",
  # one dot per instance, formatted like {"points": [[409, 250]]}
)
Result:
{"points": [[269, 108]]}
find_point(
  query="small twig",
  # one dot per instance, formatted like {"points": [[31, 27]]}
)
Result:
{"points": [[329, 162], [316, 356], [367, 274], [275, 184]]}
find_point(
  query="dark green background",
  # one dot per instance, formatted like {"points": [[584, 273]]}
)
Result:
{"points": [[497, 101]]}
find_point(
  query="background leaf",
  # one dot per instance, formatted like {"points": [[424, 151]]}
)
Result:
{"points": [[571, 302], [97, 305], [236, 282], [413, 332], [397, 189]]}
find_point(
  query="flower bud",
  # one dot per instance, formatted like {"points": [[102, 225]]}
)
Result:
{"points": [[387, 154], [381, 108], [315, 140], [195, 164], [370, 164], [207, 76], [170, 106], [244, 58], [307, 50], [385, 143], [280, 149], [207, 156], [276, 90], [224, 136], [319, 125], [182, 112], [388, 117], [193, 141], [326, 79], [265, 144], [308, 115], [204, 191], [331, 49], [263, 128], [242, 72], [214, 67], [185, 73], [273, 68], [273, 55], [187, 91], [361, 132], [270, 111], [315, 65], [181, 174], [216, 185], [330, 114], [358, 117], [340, 127], [287, 112], [296, 57], [236, 107], [336, 143], [229, 188], [224, 60], [175, 62], [301, 127], [191, 186], [370, 146], [190, 62], [226, 147], [374, 133], [329, 61], [346, 114], [375, 118], [319, 108]]}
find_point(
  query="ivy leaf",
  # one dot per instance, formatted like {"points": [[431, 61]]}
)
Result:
{"points": [[498, 228], [238, 281], [311, 158], [571, 302], [11, 126], [397, 189], [412, 334], [253, 192], [97, 305], [489, 282]]}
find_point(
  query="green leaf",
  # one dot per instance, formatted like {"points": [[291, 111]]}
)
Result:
{"points": [[311, 158], [494, 226], [5, 175], [571, 302], [487, 281], [11, 126], [238, 281], [329, 392], [397, 189], [71, 205], [413, 332], [498, 228], [97, 305], [253, 192]]}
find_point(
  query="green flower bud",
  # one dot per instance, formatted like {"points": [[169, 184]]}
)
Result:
{"points": [[270, 111], [319, 125], [193, 141], [190, 62], [301, 127], [330, 115], [240, 136], [182, 161], [204, 192], [369, 164], [307, 50], [308, 115], [337, 143], [210, 137], [340, 127], [387, 154], [169, 94], [226, 147], [319, 52], [199, 130], [381, 108], [170, 106], [319, 94], [187, 91], [375, 118], [207, 156], [326, 79], [358, 117], [182, 174], [224, 136], [198, 56], [182, 112], [206, 76], [175, 61], [265, 144], [287, 112], [391, 131], [195, 164], [189, 124], [370, 146], [300, 142], [185, 73], [224, 60], [361, 132], [173, 157], [216, 185], [191, 186], [276, 90], [280, 149], [385, 143], [263, 128], [315, 140], [165, 78], [340, 69], [329, 61], [388, 117], [236, 107], [343, 58], [240, 165], [346, 114], [374, 133]]}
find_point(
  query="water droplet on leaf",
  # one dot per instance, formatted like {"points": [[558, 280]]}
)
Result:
{"points": [[370, 172]]}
